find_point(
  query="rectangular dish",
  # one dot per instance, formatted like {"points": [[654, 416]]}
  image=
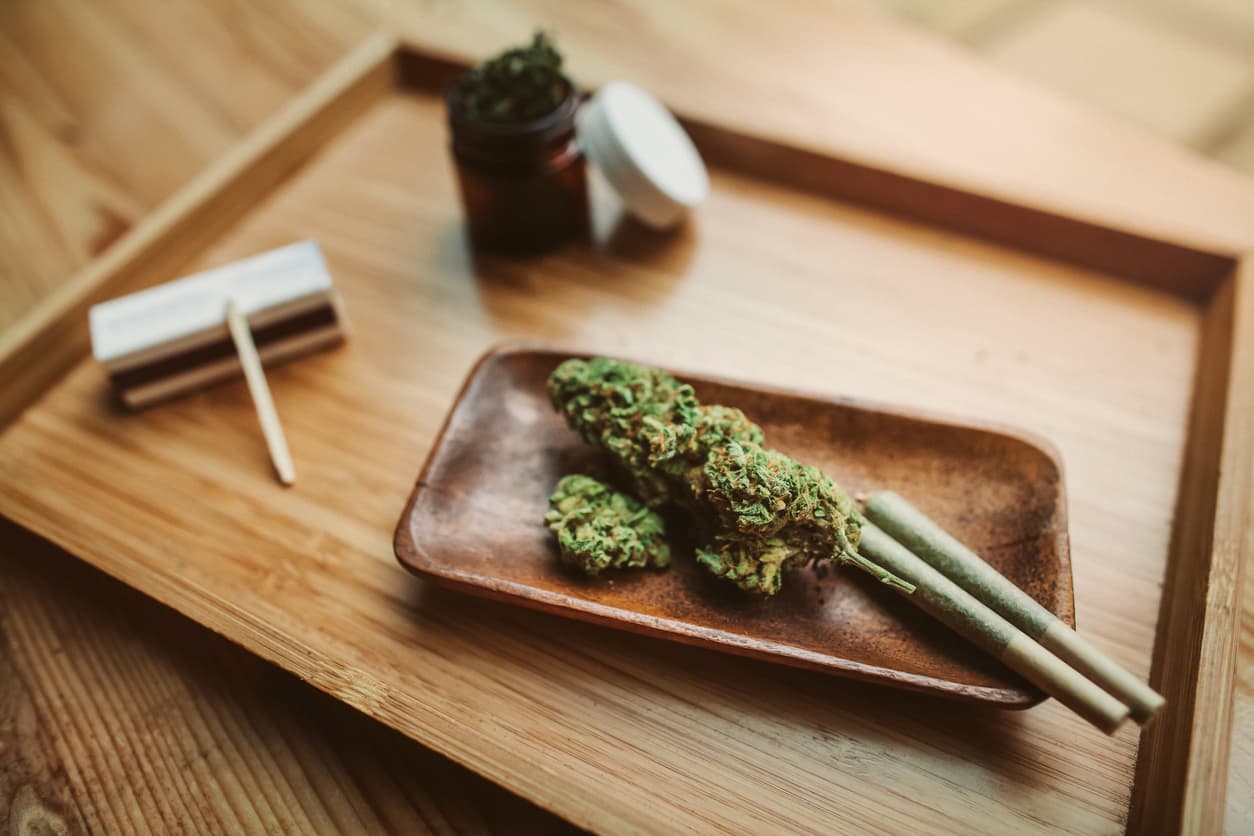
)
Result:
{"points": [[474, 523]]}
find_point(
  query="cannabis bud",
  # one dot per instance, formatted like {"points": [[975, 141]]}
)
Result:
{"points": [[641, 417], [756, 511], [773, 513], [599, 528], [519, 85]]}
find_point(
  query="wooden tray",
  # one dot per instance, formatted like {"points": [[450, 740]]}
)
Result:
{"points": [[1141, 375], [474, 522]]}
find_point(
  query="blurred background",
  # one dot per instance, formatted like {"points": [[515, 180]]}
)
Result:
{"points": [[1182, 69], [82, 81]]}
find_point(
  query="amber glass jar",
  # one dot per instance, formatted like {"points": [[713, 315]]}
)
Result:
{"points": [[523, 184]]}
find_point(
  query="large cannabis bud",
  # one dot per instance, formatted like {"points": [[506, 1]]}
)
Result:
{"points": [[757, 511], [773, 512], [640, 416], [599, 528]]}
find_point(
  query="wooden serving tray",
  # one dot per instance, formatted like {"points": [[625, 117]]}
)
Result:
{"points": [[1133, 352], [475, 523]]}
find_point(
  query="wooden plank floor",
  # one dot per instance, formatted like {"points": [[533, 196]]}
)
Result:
{"points": [[105, 109]]}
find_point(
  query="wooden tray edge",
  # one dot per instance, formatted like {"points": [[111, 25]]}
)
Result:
{"points": [[51, 338], [1182, 764]]}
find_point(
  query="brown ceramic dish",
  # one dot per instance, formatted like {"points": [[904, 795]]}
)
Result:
{"points": [[474, 523]]}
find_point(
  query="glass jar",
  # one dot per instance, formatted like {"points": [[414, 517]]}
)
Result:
{"points": [[523, 185]]}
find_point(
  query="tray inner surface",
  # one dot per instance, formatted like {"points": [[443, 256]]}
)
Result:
{"points": [[767, 285]]}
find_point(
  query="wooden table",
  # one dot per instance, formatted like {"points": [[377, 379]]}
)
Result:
{"points": [[116, 714], [80, 182]]}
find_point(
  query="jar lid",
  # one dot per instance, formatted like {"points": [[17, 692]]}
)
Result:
{"points": [[643, 153]]}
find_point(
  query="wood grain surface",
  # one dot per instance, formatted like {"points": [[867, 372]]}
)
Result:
{"points": [[1240, 807], [1212, 517], [1232, 535], [52, 335], [74, 109], [80, 167], [1232, 538], [120, 716], [1102, 368], [250, 747]]}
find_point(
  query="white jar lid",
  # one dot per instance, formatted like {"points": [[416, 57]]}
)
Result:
{"points": [[643, 153]]}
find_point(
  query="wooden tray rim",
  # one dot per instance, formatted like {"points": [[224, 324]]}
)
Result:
{"points": [[1182, 766]]}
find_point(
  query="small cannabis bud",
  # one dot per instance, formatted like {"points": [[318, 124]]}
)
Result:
{"points": [[519, 85], [758, 511], [599, 528]]}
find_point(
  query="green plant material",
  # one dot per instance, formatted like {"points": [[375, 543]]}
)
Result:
{"points": [[753, 565], [640, 416], [758, 511], [519, 85], [599, 528], [773, 512]]}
